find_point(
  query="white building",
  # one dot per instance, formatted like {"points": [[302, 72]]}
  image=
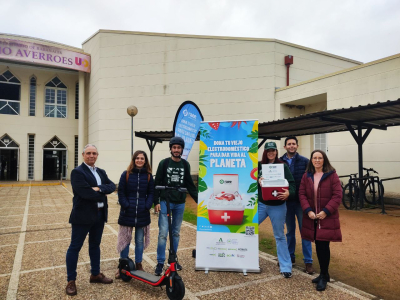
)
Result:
{"points": [[228, 78]]}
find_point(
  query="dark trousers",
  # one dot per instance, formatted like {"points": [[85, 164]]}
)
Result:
{"points": [[323, 252], [324, 255], [78, 236]]}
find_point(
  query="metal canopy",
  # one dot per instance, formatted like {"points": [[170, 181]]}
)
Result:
{"points": [[376, 116], [156, 136]]}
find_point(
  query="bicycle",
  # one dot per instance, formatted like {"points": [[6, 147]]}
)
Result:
{"points": [[350, 192], [371, 184], [371, 187]]}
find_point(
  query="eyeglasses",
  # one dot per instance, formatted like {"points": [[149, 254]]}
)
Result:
{"points": [[90, 153]]}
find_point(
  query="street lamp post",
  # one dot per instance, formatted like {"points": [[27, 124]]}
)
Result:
{"points": [[132, 111]]}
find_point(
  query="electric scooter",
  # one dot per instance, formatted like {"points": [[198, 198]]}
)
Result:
{"points": [[174, 285]]}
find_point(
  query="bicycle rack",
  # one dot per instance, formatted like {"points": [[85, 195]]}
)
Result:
{"points": [[383, 212], [345, 176], [360, 196]]}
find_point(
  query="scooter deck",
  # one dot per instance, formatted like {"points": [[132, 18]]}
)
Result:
{"points": [[147, 276]]}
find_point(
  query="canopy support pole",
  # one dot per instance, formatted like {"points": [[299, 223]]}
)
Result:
{"points": [[360, 139], [151, 144], [261, 143]]}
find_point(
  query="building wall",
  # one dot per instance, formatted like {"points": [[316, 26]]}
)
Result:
{"points": [[227, 78], [307, 64], [374, 82], [19, 126], [92, 94]]}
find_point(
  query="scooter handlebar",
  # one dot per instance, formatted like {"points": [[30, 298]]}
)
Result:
{"points": [[177, 188], [182, 189]]}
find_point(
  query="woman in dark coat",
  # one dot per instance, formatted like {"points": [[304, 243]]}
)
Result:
{"points": [[135, 195], [320, 195]]}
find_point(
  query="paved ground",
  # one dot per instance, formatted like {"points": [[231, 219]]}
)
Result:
{"points": [[35, 234]]}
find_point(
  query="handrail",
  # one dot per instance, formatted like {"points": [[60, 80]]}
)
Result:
{"points": [[380, 192], [392, 178]]}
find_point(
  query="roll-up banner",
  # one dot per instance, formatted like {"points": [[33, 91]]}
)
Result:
{"points": [[227, 215], [187, 124]]}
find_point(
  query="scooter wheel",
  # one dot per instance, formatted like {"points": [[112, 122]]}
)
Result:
{"points": [[194, 253], [178, 292], [126, 264]]}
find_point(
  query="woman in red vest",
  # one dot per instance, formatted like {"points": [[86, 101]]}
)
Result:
{"points": [[320, 196]]}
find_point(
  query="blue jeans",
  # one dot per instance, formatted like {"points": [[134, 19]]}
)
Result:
{"points": [[139, 236], [294, 210], [277, 214], [177, 210], [78, 236]]}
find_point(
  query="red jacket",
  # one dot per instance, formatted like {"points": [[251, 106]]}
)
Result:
{"points": [[328, 200]]}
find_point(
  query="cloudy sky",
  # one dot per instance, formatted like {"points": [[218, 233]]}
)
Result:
{"points": [[364, 30]]}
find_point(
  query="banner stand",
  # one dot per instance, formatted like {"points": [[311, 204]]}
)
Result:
{"points": [[244, 272], [227, 210]]}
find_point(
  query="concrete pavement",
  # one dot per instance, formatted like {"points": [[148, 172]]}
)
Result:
{"points": [[35, 235]]}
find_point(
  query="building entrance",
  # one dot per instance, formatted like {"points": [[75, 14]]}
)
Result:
{"points": [[53, 166], [54, 160], [9, 158], [8, 164]]}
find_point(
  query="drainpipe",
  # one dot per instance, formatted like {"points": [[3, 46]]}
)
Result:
{"points": [[288, 62]]}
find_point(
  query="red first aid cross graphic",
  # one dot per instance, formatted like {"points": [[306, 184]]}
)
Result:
{"points": [[225, 217], [275, 193]]}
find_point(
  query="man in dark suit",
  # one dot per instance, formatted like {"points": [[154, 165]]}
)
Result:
{"points": [[90, 186]]}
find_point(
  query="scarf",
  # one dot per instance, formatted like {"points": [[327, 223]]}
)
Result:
{"points": [[125, 237]]}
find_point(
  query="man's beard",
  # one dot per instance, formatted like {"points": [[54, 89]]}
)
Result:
{"points": [[176, 155]]}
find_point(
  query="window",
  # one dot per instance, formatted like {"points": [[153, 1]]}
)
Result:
{"points": [[77, 100], [55, 99], [31, 156], [76, 151], [10, 94], [32, 96], [320, 142]]}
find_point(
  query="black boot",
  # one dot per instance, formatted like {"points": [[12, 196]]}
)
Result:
{"points": [[323, 281], [316, 279]]}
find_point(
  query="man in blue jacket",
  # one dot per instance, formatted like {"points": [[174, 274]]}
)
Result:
{"points": [[90, 186], [297, 165]]}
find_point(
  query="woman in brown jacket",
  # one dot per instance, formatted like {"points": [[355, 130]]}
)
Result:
{"points": [[320, 195]]}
